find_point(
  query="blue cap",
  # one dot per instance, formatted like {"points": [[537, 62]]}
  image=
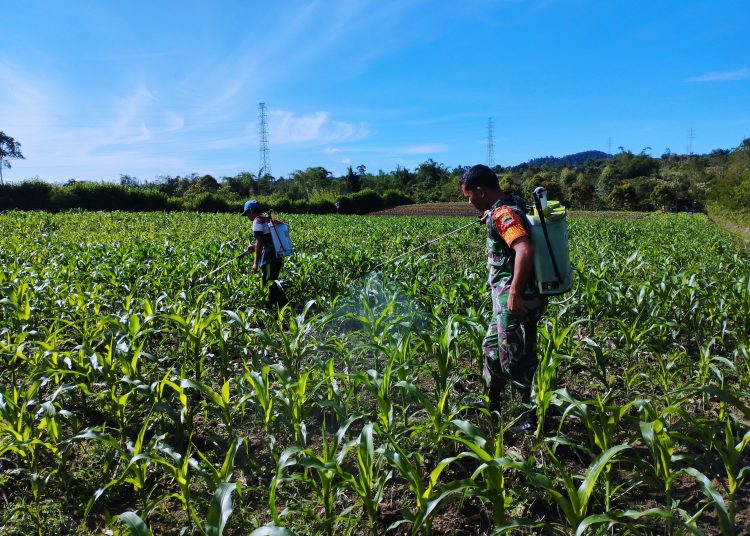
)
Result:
{"points": [[251, 205]]}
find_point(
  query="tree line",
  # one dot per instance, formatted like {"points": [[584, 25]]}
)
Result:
{"points": [[590, 180]]}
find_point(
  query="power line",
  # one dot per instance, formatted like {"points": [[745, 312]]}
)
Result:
{"points": [[490, 145], [691, 137], [264, 168]]}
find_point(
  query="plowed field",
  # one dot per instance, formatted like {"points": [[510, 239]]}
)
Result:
{"points": [[465, 209]]}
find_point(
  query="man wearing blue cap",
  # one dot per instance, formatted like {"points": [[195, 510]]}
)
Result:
{"points": [[265, 259]]}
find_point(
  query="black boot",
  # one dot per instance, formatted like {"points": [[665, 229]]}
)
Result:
{"points": [[525, 427], [495, 393]]}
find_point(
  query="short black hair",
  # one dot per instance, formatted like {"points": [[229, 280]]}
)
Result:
{"points": [[479, 175]]}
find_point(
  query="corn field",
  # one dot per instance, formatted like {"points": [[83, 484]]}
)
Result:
{"points": [[139, 397]]}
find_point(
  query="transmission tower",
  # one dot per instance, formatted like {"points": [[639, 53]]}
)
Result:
{"points": [[264, 168], [691, 137], [490, 145]]}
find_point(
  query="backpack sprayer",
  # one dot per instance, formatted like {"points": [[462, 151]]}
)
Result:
{"points": [[549, 233]]}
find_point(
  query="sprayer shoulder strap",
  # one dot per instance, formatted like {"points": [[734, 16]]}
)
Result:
{"points": [[260, 225], [540, 212]]}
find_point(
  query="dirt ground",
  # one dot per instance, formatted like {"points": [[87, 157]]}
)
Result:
{"points": [[734, 228], [462, 208]]}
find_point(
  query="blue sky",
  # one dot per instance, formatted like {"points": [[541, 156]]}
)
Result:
{"points": [[97, 89]]}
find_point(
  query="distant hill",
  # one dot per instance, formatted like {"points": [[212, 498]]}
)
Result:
{"points": [[569, 160]]}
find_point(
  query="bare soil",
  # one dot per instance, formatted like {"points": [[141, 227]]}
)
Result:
{"points": [[463, 208]]}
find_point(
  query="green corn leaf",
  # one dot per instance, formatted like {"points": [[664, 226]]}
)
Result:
{"points": [[725, 396], [592, 474], [220, 509], [136, 526], [453, 488], [619, 518], [515, 524], [726, 523]]}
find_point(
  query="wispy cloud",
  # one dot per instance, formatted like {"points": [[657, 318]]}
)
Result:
{"points": [[286, 128], [60, 139], [721, 76], [140, 116]]}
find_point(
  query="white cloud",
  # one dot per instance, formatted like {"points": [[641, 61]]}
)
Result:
{"points": [[722, 76], [331, 150], [287, 128]]}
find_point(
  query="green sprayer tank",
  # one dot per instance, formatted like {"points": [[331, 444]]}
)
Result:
{"points": [[550, 280]]}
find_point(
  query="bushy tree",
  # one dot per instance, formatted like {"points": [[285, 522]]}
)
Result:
{"points": [[241, 186], [623, 197], [10, 149], [353, 180], [664, 195]]}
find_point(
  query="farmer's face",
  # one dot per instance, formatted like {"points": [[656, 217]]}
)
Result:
{"points": [[476, 196]]}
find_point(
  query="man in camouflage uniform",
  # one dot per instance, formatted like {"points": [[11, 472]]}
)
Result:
{"points": [[517, 306]]}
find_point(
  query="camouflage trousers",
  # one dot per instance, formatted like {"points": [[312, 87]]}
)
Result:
{"points": [[510, 346]]}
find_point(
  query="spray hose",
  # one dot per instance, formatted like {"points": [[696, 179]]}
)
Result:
{"points": [[478, 220], [212, 272]]}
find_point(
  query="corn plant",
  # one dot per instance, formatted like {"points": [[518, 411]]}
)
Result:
{"points": [[442, 350], [21, 436], [194, 329], [294, 342], [369, 480], [440, 412], [490, 454], [573, 501], [601, 421], [135, 524], [286, 459], [720, 442], [293, 399], [220, 402], [137, 458], [220, 509], [426, 496], [321, 470], [216, 477], [657, 439], [380, 387], [260, 382], [730, 452], [545, 384]]}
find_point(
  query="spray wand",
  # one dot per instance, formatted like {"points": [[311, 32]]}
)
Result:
{"points": [[230, 261], [478, 220]]}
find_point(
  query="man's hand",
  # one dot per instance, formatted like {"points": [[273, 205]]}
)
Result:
{"points": [[255, 267], [515, 303], [522, 268]]}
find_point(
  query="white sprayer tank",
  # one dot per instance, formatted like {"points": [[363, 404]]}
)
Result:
{"points": [[556, 221]]}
